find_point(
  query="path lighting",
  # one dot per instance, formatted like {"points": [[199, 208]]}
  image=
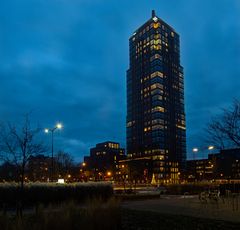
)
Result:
{"points": [[58, 126]]}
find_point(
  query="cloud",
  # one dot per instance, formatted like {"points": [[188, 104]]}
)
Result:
{"points": [[67, 61]]}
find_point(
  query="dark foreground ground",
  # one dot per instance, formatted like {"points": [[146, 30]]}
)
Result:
{"points": [[126, 220], [148, 220], [166, 212], [181, 212]]}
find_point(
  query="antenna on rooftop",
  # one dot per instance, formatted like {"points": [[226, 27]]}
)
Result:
{"points": [[153, 13]]}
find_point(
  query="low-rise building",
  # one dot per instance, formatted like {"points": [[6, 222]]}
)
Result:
{"points": [[224, 165], [103, 162]]}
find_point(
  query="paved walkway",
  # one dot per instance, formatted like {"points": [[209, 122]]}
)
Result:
{"points": [[189, 206]]}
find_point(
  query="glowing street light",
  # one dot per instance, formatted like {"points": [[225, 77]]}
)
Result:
{"points": [[195, 150], [211, 147], [59, 126], [46, 130], [52, 130]]}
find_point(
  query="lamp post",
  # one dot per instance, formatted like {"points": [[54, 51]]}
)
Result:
{"points": [[195, 150], [52, 130]]}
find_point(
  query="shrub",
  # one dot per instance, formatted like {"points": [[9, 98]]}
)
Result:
{"points": [[96, 214]]}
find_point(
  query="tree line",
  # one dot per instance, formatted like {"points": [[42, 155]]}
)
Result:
{"points": [[20, 150]]}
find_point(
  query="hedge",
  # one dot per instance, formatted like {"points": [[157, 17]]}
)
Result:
{"points": [[48, 193]]}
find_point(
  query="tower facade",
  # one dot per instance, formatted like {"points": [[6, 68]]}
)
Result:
{"points": [[156, 127]]}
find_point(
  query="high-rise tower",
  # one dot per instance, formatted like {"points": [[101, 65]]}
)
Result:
{"points": [[155, 99]]}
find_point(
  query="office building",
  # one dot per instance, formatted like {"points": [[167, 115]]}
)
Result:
{"points": [[156, 129]]}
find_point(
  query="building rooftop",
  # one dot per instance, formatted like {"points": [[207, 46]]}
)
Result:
{"points": [[154, 18]]}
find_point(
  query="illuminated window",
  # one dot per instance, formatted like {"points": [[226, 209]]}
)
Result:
{"points": [[157, 41], [161, 157], [156, 56], [157, 121], [158, 109], [147, 129], [181, 127], [156, 127], [156, 91], [156, 25], [156, 86], [129, 124], [157, 74], [157, 47], [157, 98]]}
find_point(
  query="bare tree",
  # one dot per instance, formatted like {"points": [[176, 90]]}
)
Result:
{"points": [[224, 130], [18, 144], [215, 135], [231, 123], [63, 163]]}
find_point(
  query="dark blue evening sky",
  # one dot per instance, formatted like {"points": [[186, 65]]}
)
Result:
{"points": [[66, 61]]}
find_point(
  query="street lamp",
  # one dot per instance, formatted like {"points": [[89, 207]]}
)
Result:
{"points": [[194, 150], [211, 147], [202, 149], [52, 130]]}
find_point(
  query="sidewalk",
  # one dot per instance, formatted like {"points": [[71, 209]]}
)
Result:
{"points": [[188, 206]]}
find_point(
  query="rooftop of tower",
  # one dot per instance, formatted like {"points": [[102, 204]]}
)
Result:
{"points": [[154, 18]]}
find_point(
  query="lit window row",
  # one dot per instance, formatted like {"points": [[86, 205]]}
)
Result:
{"points": [[156, 47], [155, 42], [159, 157], [130, 123], [157, 74], [158, 109], [156, 127], [174, 169], [158, 151], [156, 86], [157, 121], [181, 127], [156, 91], [113, 145], [156, 56], [100, 153]]}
